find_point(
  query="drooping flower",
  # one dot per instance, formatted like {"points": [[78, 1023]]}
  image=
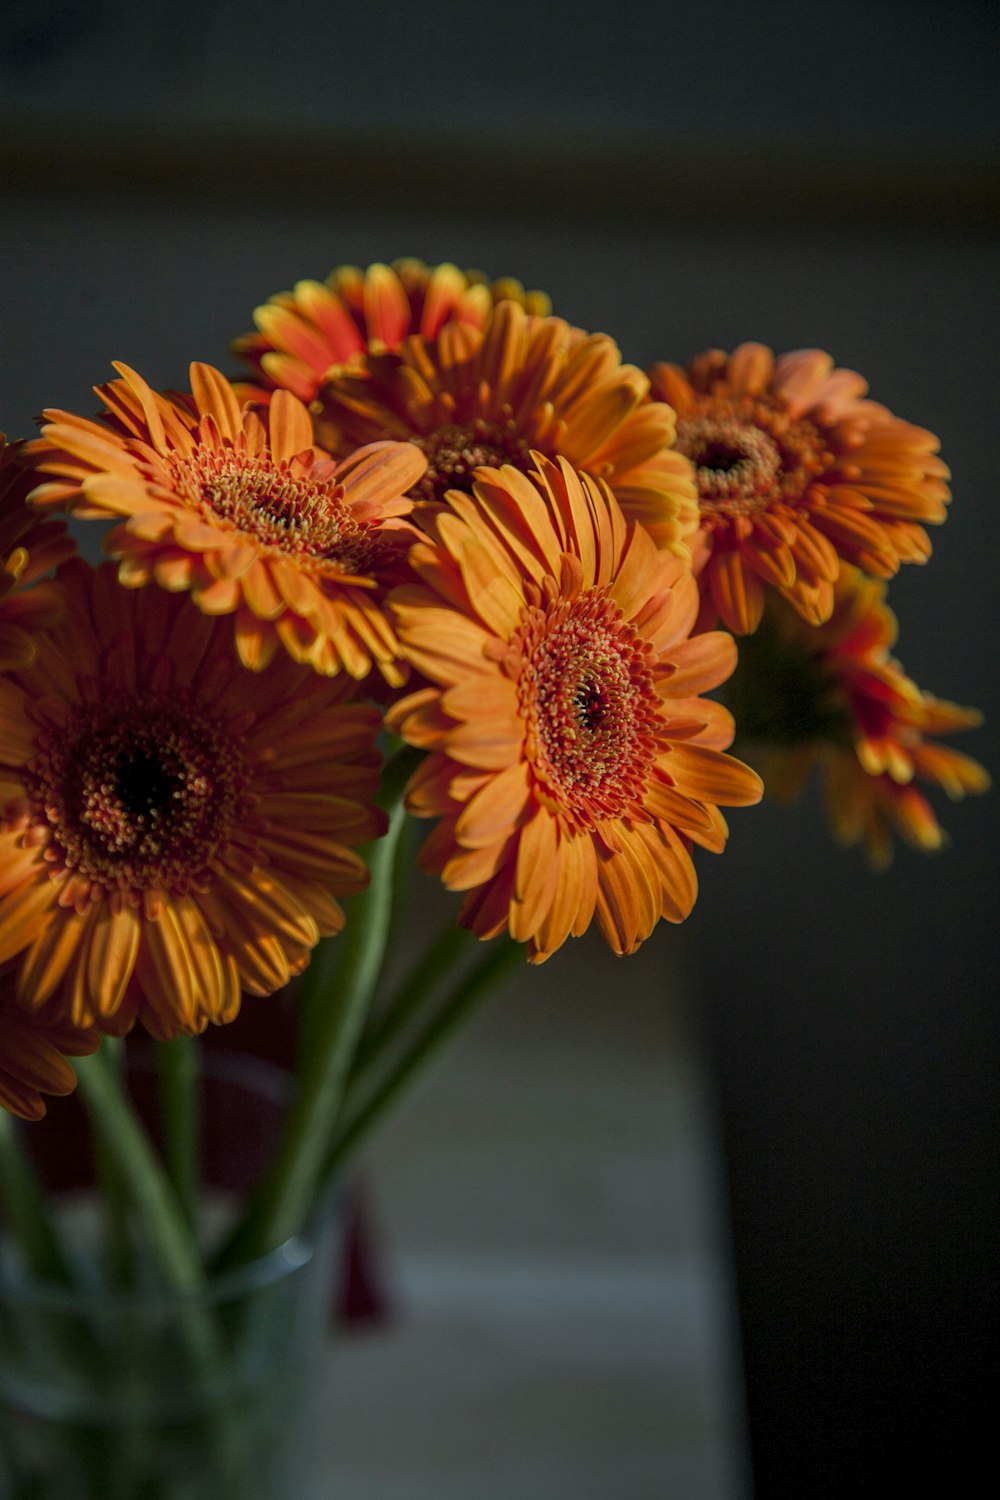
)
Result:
{"points": [[490, 396], [240, 509], [830, 699], [572, 762], [173, 830], [314, 332], [797, 471], [29, 548], [33, 1055]]}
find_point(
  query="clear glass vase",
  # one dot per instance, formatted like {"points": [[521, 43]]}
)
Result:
{"points": [[136, 1393]]}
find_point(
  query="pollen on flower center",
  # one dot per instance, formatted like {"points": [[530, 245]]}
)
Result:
{"points": [[748, 453], [138, 792], [292, 513], [586, 690], [455, 451]]}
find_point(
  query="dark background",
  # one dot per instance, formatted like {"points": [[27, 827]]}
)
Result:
{"points": [[795, 174]]}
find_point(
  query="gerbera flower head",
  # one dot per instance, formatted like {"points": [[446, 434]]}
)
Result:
{"points": [[831, 699], [173, 830], [236, 506], [319, 329], [491, 396], [33, 1055], [797, 471], [29, 548], [572, 762]]}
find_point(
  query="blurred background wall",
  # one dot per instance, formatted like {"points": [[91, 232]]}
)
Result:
{"points": [[679, 177]]}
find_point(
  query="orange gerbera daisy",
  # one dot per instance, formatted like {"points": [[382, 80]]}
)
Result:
{"points": [[796, 471], [239, 508], [33, 1055], [172, 829], [29, 548], [312, 333], [571, 762], [490, 396], [831, 698]]}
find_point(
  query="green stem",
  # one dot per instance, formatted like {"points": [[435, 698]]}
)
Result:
{"points": [[177, 1064], [407, 846], [466, 994], [174, 1248], [114, 1200], [25, 1201], [126, 1145], [113, 1191], [322, 978], [294, 1179], [436, 962]]}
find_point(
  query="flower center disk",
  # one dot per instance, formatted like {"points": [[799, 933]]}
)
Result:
{"points": [[586, 690], [455, 451], [140, 793], [291, 513], [749, 454]]}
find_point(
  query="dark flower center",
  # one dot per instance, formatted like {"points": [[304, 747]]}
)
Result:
{"points": [[586, 688], [748, 454], [139, 792], [785, 692], [456, 450]]}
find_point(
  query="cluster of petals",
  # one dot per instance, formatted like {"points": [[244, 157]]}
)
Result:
{"points": [[489, 396], [797, 472], [881, 734], [173, 830], [235, 505], [33, 1053], [439, 482], [30, 547], [311, 334], [571, 761]]}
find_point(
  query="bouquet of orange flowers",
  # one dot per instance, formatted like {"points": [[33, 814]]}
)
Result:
{"points": [[438, 554]]}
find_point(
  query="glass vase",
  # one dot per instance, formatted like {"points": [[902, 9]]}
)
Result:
{"points": [[130, 1392]]}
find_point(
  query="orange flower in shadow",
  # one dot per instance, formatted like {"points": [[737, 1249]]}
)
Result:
{"points": [[173, 830], [831, 699], [797, 471], [33, 1055]]}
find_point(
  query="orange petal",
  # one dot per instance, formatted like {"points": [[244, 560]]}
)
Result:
{"points": [[45, 964], [535, 877], [24, 913], [497, 810], [213, 395], [737, 592], [701, 663], [289, 426], [713, 777], [387, 311], [381, 472], [114, 945]]}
